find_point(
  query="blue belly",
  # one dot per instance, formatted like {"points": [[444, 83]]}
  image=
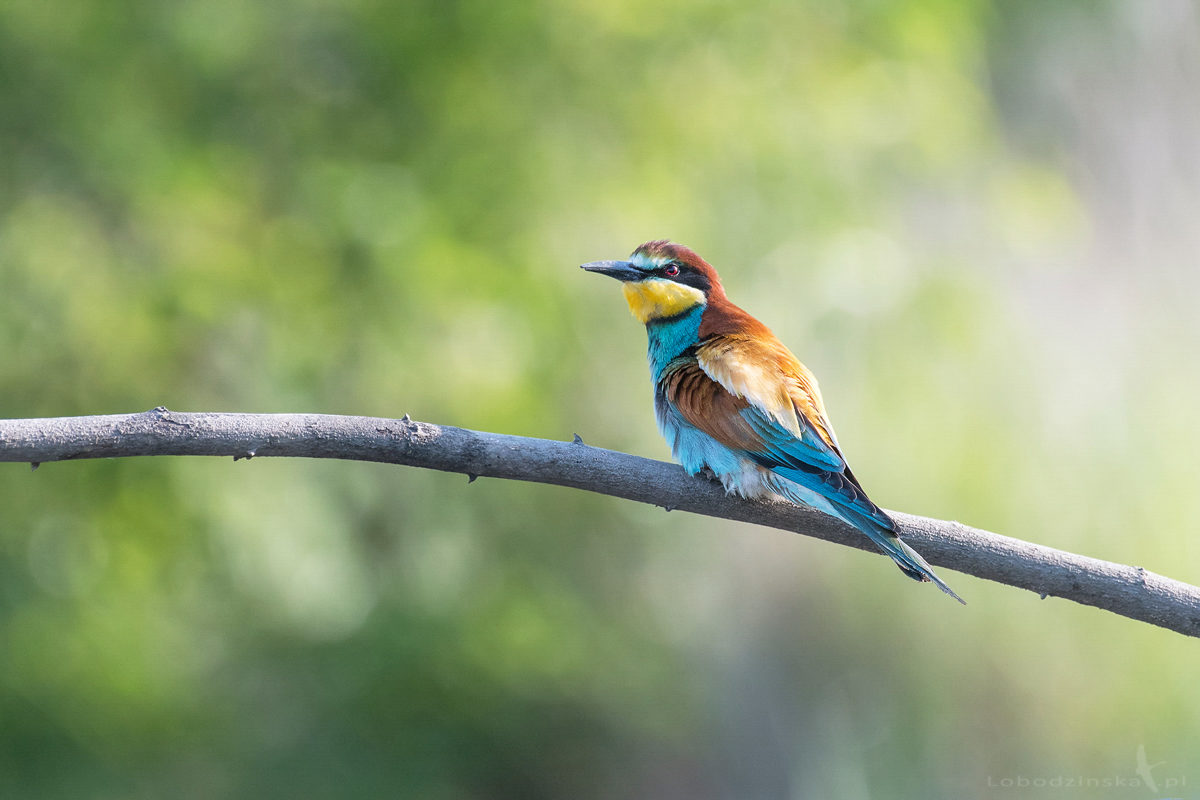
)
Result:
{"points": [[692, 447]]}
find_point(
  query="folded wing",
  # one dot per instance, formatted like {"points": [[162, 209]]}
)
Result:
{"points": [[752, 395]]}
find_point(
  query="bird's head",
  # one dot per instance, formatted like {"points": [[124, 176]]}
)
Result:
{"points": [[662, 280]]}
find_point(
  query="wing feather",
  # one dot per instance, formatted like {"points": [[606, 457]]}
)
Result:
{"points": [[754, 396], [776, 432], [747, 391], [741, 426], [760, 369]]}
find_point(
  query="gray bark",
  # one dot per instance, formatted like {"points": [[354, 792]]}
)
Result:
{"points": [[1130, 591]]}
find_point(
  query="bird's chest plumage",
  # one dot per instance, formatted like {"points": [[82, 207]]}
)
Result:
{"points": [[672, 343]]}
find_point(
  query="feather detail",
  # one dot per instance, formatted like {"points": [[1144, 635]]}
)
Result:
{"points": [[747, 369], [734, 422], [773, 380], [745, 357]]}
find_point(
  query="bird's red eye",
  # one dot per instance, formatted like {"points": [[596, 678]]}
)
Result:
{"points": [[671, 270]]}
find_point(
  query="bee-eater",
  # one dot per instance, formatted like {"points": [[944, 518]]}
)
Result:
{"points": [[731, 398]]}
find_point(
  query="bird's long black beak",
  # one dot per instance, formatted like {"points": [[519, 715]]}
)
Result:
{"points": [[621, 270]]}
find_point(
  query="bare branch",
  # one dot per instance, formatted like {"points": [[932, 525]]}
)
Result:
{"points": [[1130, 591]]}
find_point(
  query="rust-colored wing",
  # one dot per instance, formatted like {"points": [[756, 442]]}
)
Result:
{"points": [[761, 370], [746, 403]]}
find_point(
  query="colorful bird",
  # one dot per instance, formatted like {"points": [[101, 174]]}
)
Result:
{"points": [[731, 398]]}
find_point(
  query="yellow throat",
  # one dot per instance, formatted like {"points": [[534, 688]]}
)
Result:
{"points": [[655, 299]]}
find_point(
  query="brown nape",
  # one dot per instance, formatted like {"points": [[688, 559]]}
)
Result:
{"points": [[723, 318]]}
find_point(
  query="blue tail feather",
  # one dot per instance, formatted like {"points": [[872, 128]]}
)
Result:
{"points": [[840, 497], [908, 560]]}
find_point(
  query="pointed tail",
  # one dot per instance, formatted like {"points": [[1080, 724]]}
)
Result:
{"points": [[841, 496], [908, 560]]}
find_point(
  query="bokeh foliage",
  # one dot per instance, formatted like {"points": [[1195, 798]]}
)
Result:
{"points": [[351, 206]]}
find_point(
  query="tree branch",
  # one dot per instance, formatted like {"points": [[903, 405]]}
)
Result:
{"points": [[1129, 591]]}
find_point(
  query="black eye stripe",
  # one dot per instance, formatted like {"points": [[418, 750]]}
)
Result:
{"points": [[686, 275], [690, 277]]}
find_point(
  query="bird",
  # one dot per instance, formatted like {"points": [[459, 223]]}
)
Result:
{"points": [[732, 401]]}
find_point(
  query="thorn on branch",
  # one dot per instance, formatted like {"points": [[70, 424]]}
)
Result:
{"points": [[668, 509], [1043, 595], [33, 465], [471, 477], [578, 439], [249, 454], [406, 418]]}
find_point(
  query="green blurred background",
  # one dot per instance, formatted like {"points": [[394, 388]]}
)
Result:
{"points": [[977, 222]]}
